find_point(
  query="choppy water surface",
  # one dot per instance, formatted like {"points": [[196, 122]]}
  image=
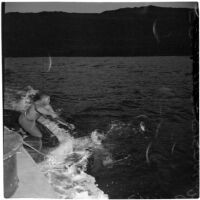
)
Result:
{"points": [[142, 104]]}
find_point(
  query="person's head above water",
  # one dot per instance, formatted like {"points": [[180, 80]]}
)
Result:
{"points": [[45, 99], [42, 98]]}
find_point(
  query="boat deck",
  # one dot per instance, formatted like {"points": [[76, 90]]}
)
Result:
{"points": [[32, 182]]}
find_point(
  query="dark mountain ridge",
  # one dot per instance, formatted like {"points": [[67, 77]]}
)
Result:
{"points": [[144, 31]]}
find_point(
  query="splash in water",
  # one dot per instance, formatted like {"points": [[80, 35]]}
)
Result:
{"points": [[66, 165]]}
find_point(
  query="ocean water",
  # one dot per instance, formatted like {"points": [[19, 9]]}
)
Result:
{"points": [[143, 107]]}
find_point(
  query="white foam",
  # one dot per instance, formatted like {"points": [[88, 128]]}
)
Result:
{"points": [[65, 169]]}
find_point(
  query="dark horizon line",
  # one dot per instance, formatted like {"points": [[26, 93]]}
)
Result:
{"points": [[100, 12]]}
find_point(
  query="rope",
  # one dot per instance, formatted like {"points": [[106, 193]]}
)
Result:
{"points": [[33, 148]]}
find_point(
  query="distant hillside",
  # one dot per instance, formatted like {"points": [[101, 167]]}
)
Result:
{"points": [[123, 32]]}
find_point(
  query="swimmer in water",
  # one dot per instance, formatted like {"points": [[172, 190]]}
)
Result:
{"points": [[28, 119]]}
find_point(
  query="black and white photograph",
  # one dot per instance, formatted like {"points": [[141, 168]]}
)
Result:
{"points": [[100, 99]]}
